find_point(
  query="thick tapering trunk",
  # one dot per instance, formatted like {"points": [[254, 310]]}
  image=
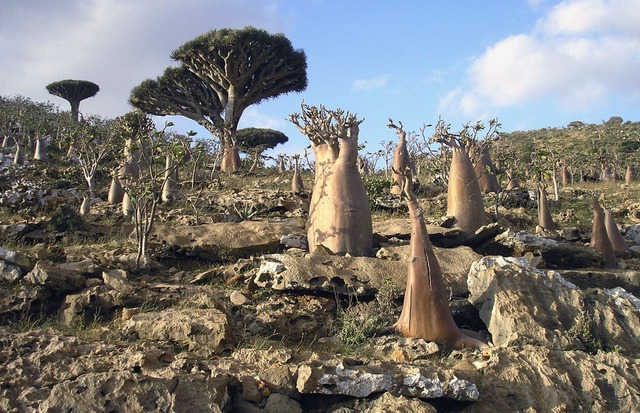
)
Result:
{"points": [[230, 159], [339, 211], [18, 158], [127, 207], [40, 152], [297, 187], [566, 176], [599, 237], [281, 167], [544, 214], [464, 199], [85, 207], [485, 173], [512, 182], [630, 175], [399, 164], [8, 141], [115, 191], [425, 312], [620, 247], [170, 186]]}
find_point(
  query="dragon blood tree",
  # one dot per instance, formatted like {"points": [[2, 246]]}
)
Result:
{"points": [[464, 199], [339, 211], [425, 312]]}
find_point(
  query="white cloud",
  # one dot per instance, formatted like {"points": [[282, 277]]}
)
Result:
{"points": [[253, 118], [576, 58], [114, 43], [371, 84]]}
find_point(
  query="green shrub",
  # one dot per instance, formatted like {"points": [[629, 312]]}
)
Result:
{"points": [[66, 219], [376, 187]]}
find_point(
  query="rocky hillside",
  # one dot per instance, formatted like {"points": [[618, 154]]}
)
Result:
{"points": [[235, 316]]}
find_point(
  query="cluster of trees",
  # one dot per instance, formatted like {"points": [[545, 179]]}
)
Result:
{"points": [[223, 72]]}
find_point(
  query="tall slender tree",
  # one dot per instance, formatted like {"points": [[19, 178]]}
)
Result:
{"points": [[73, 91]]}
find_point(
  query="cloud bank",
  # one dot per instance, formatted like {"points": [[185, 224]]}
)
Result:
{"points": [[580, 54], [114, 43]]}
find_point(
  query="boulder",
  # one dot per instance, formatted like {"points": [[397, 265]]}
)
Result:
{"points": [[223, 239], [523, 305], [205, 332], [57, 277], [541, 379], [9, 272]]}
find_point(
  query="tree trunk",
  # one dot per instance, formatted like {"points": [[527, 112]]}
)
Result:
{"points": [[400, 163], [230, 159], [18, 158], [297, 187], [339, 212], [116, 193], [464, 199], [40, 153], [85, 207], [544, 214], [630, 175], [620, 247], [425, 312], [170, 186], [485, 173], [599, 237]]}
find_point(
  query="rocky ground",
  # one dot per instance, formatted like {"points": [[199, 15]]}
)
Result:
{"points": [[235, 316]]}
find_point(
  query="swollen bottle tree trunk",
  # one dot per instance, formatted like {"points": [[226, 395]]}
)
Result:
{"points": [[115, 191], [512, 181], [599, 237], [566, 176], [297, 187], [464, 199], [170, 187], [40, 153], [485, 173], [339, 211], [544, 214], [18, 158], [620, 247], [425, 312], [400, 159], [630, 175]]}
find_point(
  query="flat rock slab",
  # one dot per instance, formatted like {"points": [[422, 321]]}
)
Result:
{"points": [[224, 239], [358, 275], [205, 332], [401, 228]]}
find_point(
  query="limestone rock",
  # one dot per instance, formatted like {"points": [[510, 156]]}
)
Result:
{"points": [[524, 305], [117, 279], [238, 298], [212, 241], [358, 276], [279, 403], [398, 404], [557, 254], [539, 379], [55, 277], [338, 377], [15, 258], [203, 331], [9, 272]]}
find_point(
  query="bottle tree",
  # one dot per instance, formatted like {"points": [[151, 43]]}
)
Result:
{"points": [[73, 91], [339, 211], [229, 70]]}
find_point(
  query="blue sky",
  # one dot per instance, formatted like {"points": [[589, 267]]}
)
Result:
{"points": [[531, 64]]}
